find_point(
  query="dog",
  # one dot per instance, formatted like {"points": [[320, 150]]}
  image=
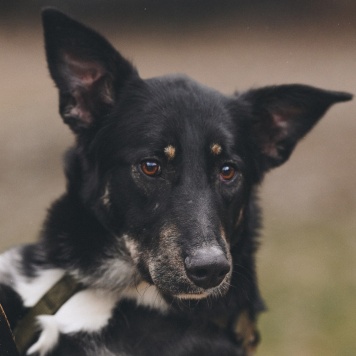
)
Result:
{"points": [[151, 249]]}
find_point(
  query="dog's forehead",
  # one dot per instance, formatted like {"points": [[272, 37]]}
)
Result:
{"points": [[175, 110], [183, 98]]}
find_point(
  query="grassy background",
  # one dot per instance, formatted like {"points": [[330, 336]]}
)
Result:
{"points": [[307, 261]]}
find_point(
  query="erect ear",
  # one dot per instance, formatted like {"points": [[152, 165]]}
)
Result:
{"points": [[282, 115], [87, 70]]}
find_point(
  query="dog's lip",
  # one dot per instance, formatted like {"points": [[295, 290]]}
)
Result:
{"points": [[199, 295]]}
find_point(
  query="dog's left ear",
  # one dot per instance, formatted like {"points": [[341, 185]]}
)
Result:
{"points": [[282, 115], [87, 70]]}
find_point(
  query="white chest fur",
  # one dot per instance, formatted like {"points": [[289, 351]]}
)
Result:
{"points": [[146, 295], [89, 310]]}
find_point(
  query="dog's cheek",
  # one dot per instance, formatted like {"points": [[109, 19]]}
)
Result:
{"points": [[137, 252], [148, 186], [166, 277], [129, 204], [165, 263], [142, 185], [132, 248]]}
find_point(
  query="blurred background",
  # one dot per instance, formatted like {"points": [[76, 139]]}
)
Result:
{"points": [[307, 261]]}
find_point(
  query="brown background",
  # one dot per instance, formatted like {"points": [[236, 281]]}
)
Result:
{"points": [[307, 262]]}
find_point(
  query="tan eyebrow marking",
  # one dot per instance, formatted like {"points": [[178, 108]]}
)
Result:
{"points": [[216, 149], [170, 152]]}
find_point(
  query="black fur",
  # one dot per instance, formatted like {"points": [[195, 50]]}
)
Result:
{"points": [[123, 122]]}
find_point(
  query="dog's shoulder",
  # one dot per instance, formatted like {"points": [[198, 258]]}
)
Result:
{"points": [[24, 281]]}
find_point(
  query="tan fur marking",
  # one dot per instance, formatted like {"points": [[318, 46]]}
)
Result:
{"points": [[222, 233], [245, 330], [170, 152], [132, 248], [216, 149], [240, 218], [169, 231]]}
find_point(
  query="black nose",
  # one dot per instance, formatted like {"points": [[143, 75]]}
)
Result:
{"points": [[207, 267]]}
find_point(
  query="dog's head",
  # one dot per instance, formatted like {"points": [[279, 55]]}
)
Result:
{"points": [[169, 165]]}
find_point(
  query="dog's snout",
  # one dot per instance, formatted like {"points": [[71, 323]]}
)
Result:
{"points": [[207, 267]]}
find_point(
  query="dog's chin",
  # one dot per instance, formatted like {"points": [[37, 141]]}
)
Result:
{"points": [[181, 294], [200, 294]]}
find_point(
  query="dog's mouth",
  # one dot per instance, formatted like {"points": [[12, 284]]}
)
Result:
{"points": [[180, 287], [192, 297], [201, 295]]}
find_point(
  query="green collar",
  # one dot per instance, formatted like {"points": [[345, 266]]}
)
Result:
{"points": [[49, 304], [243, 327]]}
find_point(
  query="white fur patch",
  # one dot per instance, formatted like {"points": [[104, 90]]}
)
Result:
{"points": [[132, 248], [114, 273], [48, 338], [88, 310], [32, 289], [147, 295], [9, 261]]}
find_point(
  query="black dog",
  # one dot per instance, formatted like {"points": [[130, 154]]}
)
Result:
{"points": [[151, 249]]}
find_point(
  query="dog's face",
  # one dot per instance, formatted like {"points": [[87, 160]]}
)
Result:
{"points": [[180, 174], [168, 164]]}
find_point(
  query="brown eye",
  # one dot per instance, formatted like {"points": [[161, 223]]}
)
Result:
{"points": [[151, 168], [227, 172]]}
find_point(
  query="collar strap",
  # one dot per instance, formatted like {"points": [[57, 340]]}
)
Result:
{"points": [[60, 292], [243, 327]]}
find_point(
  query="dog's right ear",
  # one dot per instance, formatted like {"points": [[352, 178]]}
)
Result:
{"points": [[87, 70]]}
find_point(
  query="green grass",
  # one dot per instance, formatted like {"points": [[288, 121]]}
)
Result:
{"points": [[307, 276]]}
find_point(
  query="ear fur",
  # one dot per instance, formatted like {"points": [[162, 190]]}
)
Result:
{"points": [[87, 70], [283, 114]]}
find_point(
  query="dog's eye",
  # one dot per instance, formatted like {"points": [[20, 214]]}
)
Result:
{"points": [[227, 172], [151, 168]]}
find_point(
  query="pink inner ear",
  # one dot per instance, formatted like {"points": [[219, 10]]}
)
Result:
{"points": [[284, 117], [87, 85], [276, 132], [83, 73], [280, 121]]}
